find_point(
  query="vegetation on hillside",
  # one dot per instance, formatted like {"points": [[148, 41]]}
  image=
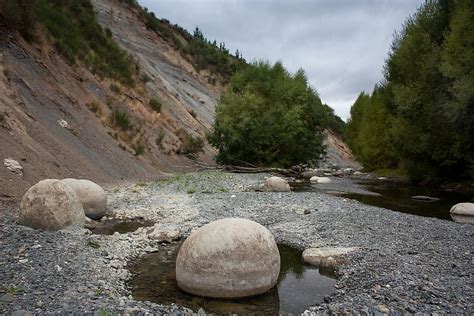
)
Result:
{"points": [[75, 32], [202, 53], [421, 117], [268, 117]]}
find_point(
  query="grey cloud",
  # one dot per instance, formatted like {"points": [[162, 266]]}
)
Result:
{"points": [[341, 44]]}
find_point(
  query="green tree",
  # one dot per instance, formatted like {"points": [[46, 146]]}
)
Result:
{"points": [[426, 103], [268, 117]]}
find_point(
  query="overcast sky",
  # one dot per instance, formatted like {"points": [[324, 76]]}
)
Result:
{"points": [[341, 44]]}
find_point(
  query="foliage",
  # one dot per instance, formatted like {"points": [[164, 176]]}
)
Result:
{"points": [[75, 32], [94, 244], [13, 290], [334, 122], [190, 145], [155, 104], [121, 120], [139, 149], [102, 311], [19, 15], [209, 55], [268, 117], [421, 117], [200, 51], [160, 138]]}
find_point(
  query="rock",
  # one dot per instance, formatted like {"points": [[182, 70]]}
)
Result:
{"points": [[63, 123], [338, 173], [357, 173], [424, 198], [328, 257], [228, 258], [383, 309], [51, 205], [308, 174], [320, 180], [163, 233], [22, 312], [13, 165], [276, 184], [463, 213], [307, 211], [91, 195], [150, 249]]}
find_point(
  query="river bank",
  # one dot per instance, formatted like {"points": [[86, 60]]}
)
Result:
{"points": [[404, 263]]}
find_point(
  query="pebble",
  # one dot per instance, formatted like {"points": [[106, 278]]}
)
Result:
{"points": [[442, 250]]}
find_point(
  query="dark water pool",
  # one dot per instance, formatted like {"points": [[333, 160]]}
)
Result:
{"points": [[114, 225], [299, 286], [396, 196]]}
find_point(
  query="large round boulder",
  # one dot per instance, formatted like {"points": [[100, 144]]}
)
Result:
{"points": [[51, 205], [91, 195], [228, 258], [463, 213], [276, 184]]}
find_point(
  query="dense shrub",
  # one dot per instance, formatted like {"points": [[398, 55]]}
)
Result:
{"points": [[19, 15], [155, 104], [268, 117], [121, 120]]}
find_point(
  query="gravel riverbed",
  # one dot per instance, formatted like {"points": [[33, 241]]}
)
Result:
{"points": [[404, 263]]}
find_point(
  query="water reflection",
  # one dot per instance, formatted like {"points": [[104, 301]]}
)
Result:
{"points": [[396, 196], [298, 287]]}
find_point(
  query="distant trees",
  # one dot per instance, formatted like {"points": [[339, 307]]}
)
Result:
{"points": [[269, 117], [421, 118]]}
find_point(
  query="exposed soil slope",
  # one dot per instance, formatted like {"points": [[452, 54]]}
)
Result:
{"points": [[38, 89], [40, 93]]}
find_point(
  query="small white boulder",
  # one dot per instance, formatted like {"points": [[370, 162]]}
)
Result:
{"points": [[463, 212], [276, 184], [91, 195], [13, 166], [51, 205], [320, 179], [327, 257], [164, 233]]}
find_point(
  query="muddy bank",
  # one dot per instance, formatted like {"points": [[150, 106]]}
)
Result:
{"points": [[405, 263]]}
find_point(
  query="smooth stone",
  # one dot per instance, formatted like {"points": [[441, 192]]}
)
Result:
{"points": [[463, 213], [328, 257], [320, 180], [228, 258], [91, 195], [276, 184], [52, 205], [164, 233], [424, 198]]}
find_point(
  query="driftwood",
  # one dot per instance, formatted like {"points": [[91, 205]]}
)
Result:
{"points": [[241, 169], [249, 168]]}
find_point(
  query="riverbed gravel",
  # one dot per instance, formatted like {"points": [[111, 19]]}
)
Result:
{"points": [[404, 263]]}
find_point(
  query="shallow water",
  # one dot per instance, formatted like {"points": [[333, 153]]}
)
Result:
{"points": [[111, 226], [299, 286], [395, 196]]}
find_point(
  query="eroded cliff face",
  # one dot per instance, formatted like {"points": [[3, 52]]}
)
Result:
{"points": [[57, 119]]}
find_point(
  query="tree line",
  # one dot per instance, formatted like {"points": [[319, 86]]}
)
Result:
{"points": [[420, 118]]}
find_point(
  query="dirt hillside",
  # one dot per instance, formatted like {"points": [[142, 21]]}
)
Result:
{"points": [[58, 120]]}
